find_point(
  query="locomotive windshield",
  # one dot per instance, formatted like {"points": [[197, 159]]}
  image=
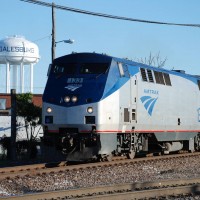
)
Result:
{"points": [[93, 68], [81, 68], [69, 68]]}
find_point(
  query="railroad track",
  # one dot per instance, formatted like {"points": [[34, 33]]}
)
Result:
{"points": [[24, 169], [156, 190], [10, 172], [49, 167]]}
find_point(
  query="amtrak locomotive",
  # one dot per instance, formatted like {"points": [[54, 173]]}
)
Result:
{"points": [[96, 106]]}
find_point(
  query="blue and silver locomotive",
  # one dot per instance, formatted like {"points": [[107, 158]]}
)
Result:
{"points": [[96, 106]]}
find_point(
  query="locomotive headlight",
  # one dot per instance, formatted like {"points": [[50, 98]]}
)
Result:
{"points": [[67, 99], [74, 99], [49, 110], [90, 110]]}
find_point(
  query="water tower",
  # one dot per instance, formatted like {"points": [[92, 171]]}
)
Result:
{"points": [[15, 53]]}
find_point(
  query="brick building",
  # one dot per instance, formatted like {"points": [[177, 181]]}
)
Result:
{"points": [[5, 117], [37, 99]]}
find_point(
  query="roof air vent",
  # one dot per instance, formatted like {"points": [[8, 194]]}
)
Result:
{"points": [[180, 71]]}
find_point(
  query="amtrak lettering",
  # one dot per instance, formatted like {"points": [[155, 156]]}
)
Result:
{"points": [[16, 49], [147, 91]]}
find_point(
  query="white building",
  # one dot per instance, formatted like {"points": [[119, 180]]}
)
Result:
{"points": [[5, 128]]}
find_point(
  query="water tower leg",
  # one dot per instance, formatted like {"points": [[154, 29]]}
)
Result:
{"points": [[21, 78], [7, 78], [15, 73], [31, 79]]}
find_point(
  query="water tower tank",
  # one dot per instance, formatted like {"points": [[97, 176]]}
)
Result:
{"points": [[17, 51]]}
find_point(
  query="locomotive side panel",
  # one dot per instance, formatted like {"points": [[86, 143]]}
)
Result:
{"points": [[168, 108]]}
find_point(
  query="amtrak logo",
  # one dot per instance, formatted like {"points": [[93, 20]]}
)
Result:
{"points": [[73, 87], [149, 103]]}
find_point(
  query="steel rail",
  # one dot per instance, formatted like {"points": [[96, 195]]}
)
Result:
{"points": [[132, 190], [153, 193]]}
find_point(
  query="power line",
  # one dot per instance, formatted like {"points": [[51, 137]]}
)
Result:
{"points": [[47, 36], [106, 15]]}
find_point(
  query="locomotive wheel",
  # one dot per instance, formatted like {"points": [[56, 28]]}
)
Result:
{"points": [[105, 157], [131, 154]]}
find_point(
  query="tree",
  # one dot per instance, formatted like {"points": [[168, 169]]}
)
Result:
{"points": [[31, 115], [155, 61]]}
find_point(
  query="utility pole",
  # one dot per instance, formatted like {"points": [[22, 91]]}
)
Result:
{"points": [[53, 33], [13, 125]]}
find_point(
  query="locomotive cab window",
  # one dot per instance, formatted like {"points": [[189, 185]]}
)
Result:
{"points": [[94, 68], [123, 70], [69, 68], [58, 69]]}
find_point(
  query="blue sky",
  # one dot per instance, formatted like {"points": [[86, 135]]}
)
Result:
{"points": [[124, 39]]}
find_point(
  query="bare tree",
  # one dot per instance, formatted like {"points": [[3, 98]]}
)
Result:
{"points": [[153, 60]]}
